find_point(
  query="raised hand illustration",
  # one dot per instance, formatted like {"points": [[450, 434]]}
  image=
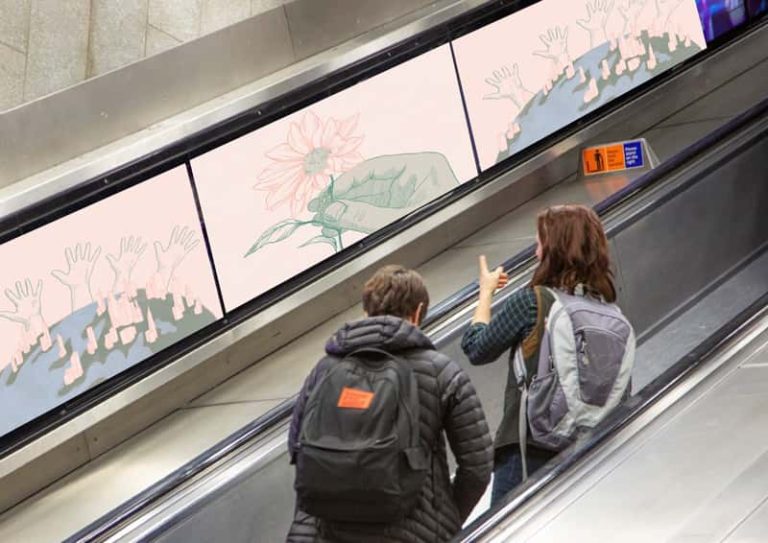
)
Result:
{"points": [[508, 86], [131, 249], [666, 7], [555, 47], [373, 194], [182, 242], [26, 300], [598, 12], [81, 261], [665, 10], [630, 10]]}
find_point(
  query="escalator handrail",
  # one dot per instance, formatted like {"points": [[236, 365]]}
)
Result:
{"points": [[189, 147], [181, 151], [280, 413], [200, 463], [618, 198], [625, 414]]}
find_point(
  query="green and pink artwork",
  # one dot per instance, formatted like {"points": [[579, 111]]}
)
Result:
{"points": [[96, 292], [536, 71], [301, 189]]}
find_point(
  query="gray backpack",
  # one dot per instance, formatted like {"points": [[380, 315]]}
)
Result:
{"points": [[586, 353]]}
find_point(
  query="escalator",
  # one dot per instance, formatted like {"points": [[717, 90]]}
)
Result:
{"points": [[690, 244], [208, 497], [690, 467]]}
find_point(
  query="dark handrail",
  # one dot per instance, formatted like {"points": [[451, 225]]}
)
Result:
{"points": [[201, 462], [280, 413]]}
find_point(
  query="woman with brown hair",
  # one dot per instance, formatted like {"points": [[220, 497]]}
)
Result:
{"points": [[572, 250]]}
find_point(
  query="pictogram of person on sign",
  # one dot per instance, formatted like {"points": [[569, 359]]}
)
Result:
{"points": [[599, 164]]}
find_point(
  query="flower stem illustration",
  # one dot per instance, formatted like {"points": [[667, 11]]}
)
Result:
{"points": [[80, 264]]}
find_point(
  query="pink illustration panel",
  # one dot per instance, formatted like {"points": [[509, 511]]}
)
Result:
{"points": [[93, 293], [293, 193], [541, 68]]}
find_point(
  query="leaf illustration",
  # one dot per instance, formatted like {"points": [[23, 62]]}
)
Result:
{"points": [[321, 239], [320, 201], [274, 234], [329, 232]]}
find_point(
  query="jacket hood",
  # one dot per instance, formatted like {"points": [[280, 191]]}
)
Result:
{"points": [[387, 333]]}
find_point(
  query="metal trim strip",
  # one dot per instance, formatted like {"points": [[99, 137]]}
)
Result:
{"points": [[624, 416], [197, 355]]}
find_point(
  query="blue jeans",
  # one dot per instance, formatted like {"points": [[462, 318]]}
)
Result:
{"points": [[508, 469]]}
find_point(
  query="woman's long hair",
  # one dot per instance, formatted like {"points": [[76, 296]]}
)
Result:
{"points": [[574, 250]]}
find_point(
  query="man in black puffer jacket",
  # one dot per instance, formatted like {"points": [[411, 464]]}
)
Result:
{"points": [[394, 300]]}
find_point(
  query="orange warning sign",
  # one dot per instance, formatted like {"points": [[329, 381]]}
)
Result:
{"points": [[353, 398], [609, 158]]}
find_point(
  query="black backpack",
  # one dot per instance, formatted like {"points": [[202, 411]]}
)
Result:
{"points": [[359, 457]]}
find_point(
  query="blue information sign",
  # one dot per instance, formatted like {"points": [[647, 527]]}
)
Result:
{"points": [[633, 154]]}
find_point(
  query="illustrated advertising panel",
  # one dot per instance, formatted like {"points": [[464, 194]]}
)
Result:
{"points": [[89, 295], [298, 190], [539, 69]]}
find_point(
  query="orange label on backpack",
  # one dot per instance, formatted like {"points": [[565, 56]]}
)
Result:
{"points": [[353, 398]]}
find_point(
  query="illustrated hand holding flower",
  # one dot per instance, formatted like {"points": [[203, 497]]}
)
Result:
{"points": [[369, 196], [381, 190]]}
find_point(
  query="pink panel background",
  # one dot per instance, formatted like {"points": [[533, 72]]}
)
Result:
{"points": [[514, 39], [150, 210], [414, 107]]}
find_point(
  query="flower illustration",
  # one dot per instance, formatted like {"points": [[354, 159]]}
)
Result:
{"points": [[306, 163]]}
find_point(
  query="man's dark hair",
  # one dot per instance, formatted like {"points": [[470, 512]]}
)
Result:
{"points": [[395, 290]]}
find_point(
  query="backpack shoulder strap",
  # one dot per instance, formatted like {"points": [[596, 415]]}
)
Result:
{"points": [[527, 352], [544, 300]]}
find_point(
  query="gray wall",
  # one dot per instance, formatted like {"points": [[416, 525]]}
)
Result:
{"points": [[48, 45], [58, 46]]}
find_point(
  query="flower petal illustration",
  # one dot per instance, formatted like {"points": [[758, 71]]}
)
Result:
{"points": [[315, 150]]}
